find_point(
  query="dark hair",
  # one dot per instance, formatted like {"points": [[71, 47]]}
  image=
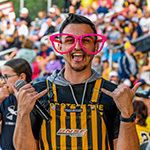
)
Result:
{"points": [[19, 66], [77, 19], [141, 111]]}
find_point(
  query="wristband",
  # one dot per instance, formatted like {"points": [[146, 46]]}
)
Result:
{"points": [[131, 119]]}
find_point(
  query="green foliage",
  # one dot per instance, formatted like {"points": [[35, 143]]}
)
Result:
{"points": [[34, 6]]}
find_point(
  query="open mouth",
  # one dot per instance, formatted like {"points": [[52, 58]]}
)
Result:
{"points": [[78, 57]]}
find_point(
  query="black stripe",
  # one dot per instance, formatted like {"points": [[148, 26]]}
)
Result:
{"points": [[89, 127], [41, 142], [99, 130], [58, 125], [68, 138], [78, 126]]}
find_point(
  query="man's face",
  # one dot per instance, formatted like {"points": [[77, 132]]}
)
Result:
{"points": [[78, 59]]}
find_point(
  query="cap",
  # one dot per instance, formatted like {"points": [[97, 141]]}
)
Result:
{"points": [[51, 10], [113, 74], [24, 10], [121, 18], [126, 29], [127, 44], [135, 19], [144, 94]]}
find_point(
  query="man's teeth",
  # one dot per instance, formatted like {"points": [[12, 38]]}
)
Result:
{"points": [[77, 54]]}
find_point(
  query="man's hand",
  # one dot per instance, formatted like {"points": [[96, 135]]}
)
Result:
{"points": [[123, 97], [26, 97]]}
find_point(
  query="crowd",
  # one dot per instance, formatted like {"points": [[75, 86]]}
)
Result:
{"points": [[121, 21]]}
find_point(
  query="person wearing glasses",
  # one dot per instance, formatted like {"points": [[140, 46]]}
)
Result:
{"points": [[12, 71], [88, 112]]}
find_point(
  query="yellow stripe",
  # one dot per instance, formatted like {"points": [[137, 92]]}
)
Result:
{"points": [[84, 126], [47, 87], [103, 134], [54, 91], [40, 146], [43, 135], [63, 126], [94, 128], [73, 126], [96, 90], [53, 126]]}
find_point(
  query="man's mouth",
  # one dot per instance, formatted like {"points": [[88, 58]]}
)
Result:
{"points": [[78, 57]]}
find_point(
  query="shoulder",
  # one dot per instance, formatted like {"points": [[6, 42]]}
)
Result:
{"points": [[40, 86]]}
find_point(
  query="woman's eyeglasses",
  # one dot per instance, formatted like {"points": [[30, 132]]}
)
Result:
{"points": [[5, 77], [63, 43]]}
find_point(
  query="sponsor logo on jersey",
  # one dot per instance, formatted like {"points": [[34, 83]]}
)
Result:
{"points": [[72, 132]]}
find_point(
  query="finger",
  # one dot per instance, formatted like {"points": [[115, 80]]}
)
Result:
{"points": [[134, 89], [14, 88], [107, 92], [40, 94], [26, 86]]}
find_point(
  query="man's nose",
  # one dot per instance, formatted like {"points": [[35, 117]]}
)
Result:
{"points": [[78, 45]]}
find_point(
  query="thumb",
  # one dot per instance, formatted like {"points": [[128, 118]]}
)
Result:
{"points": [[134, 89], [14, 89]]}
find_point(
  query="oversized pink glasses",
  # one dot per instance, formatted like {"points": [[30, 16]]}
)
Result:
{"points": [[64, 43]]}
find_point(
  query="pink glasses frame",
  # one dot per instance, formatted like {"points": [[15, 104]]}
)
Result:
{"points": [[77, 37]]}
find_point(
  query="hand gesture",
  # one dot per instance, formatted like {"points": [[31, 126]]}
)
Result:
{"points": [[123, 97], [26, 97]]}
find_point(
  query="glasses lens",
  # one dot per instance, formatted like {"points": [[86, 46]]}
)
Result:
{"points": [[89, 41], [2, 78], [63, 43]]}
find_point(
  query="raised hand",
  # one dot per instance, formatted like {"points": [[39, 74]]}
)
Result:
{"points": [[26, 97], [123, 97]]}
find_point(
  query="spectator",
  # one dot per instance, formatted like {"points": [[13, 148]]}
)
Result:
{"points": [[44, 51], [145, 22], [12, 71], [135, 21], [24, 16], [96, 64], [114, 36], [50, 28], [142, 121], [46, 28], [50, 64], [128, 67], [106, 69], [133, 31], [113, 77], [103, 7], [27, 52], [9, 30]]}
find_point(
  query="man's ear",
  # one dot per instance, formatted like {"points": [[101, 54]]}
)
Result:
{"points": [[96, 46]]}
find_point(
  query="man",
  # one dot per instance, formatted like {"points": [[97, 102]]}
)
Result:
{"points": [[82, 116], [128, 67]]}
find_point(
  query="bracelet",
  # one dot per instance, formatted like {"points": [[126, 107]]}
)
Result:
{"points": [[131, 119]]}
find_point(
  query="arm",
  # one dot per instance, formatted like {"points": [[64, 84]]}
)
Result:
{"points": [[23, 135], [123, 96]]}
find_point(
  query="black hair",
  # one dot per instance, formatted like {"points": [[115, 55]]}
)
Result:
{"points": [[141, 111], [20, 65], [77, 19]]}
